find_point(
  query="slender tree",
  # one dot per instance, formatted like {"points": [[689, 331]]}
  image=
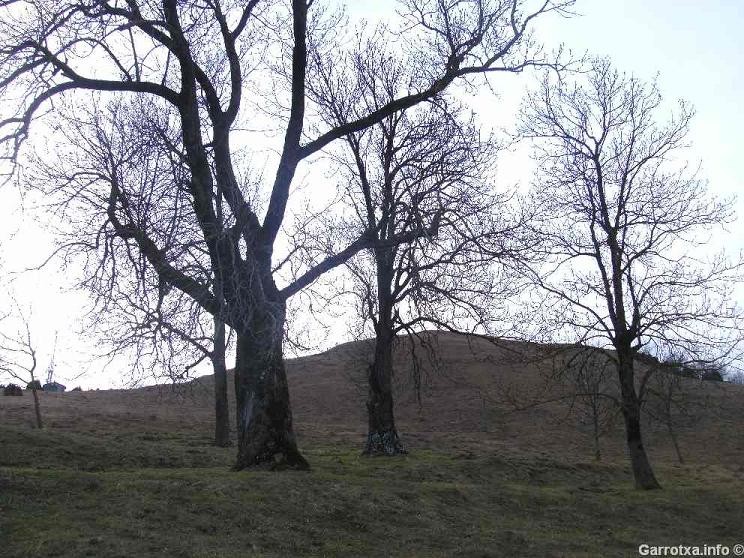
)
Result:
{"points": [[206, 67], [161, 328], [588, 373], [676, 396], [18, 358], [621, 220], [165, 334]]}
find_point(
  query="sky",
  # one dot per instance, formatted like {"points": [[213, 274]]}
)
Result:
{"points": [[696, 47]]}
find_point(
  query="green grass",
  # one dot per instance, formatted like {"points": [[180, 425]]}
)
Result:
{"points": [[172, 494]]}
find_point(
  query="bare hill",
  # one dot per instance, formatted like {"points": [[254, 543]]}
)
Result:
{"points": [[473, 395], [134, 472]]}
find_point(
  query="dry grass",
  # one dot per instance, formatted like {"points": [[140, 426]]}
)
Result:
{"points": [[132, 473]]}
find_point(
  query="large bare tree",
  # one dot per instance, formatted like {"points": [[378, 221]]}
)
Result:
{"points": [[412, 170], [426, 166], [208, 68], [624, 225]]}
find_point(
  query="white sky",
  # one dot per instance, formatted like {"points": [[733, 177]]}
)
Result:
{"points": [[696, 46]]}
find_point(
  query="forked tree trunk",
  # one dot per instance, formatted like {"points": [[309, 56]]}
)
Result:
{"points": [[221, 408], [631, 407], [264, 417], [382, 437]]}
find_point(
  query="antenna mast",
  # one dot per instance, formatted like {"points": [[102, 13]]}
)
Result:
{"points": [[50, 370]]}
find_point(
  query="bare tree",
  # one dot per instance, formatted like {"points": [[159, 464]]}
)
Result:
{"points": [[664, 399], [676, 396], [165, 334], [587, 370], [18, 358], [162, 328], [405, 175], [204, 66], [621, 220], [411, 169], [421, 167]]}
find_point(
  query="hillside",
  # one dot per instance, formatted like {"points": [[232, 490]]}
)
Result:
{"points": [[482, 476]]}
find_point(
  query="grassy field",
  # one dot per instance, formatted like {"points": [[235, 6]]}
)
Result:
{"points": [[132, 473]]}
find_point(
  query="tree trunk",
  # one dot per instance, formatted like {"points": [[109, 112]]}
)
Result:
{"points": [[221, 408], [673, 436], [37, 409], [382, 438], [264, 417], [595, 417], [631, 407]]}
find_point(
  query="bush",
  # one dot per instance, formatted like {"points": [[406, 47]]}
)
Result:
{"points": [[36, 384], [12, 389], [77, 389]]}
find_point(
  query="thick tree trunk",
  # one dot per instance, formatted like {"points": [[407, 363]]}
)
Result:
{"points": [[631, 407], [221, 408], [382, 438], [264, 417]]}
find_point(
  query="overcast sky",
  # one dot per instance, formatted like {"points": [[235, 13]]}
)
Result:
{"points": [[695, 46]]}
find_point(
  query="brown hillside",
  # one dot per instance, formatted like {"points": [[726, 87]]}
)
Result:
{"points": [[476, 396]]}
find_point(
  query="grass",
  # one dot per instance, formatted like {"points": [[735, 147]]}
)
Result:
{"points": [[133, 473], [172, 494]]}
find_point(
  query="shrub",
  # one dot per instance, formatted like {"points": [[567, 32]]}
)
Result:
{"points": [[36, 384], [77, 389], [12, 389]]}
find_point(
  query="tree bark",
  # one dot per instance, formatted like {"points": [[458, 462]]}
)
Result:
{"points": [[221, 408], [264, 417], [382, 437], [631, 407]]}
